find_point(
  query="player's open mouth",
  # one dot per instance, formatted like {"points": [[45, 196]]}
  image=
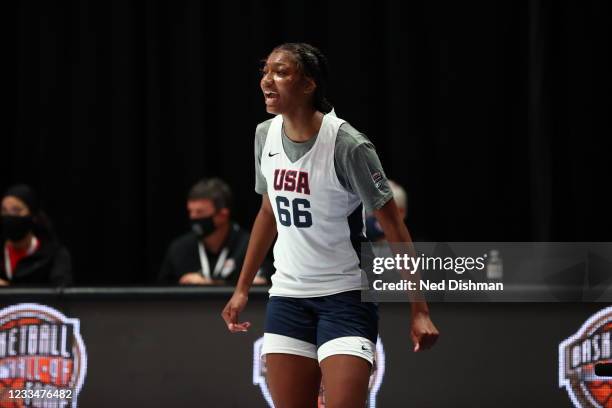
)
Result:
{"points": [[270, 96]]}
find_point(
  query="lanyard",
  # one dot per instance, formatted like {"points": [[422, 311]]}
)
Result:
{"points": [[7, 260], [218, 265]]}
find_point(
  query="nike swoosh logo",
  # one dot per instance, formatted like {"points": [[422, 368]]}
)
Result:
{"points": [[364, 348], [270, 154]]}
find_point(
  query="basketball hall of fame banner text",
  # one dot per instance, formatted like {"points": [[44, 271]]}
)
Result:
{"points": [[487, 271]]}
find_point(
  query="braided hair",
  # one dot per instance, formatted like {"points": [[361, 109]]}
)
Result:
{"points": [[313, 64]]}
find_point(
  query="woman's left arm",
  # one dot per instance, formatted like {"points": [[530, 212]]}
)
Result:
{"points": [[423, 332]]}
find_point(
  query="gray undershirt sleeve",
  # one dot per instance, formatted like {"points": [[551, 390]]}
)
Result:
{"points": [[261, 133], [359, 169]]}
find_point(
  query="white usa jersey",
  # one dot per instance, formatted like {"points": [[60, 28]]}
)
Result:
{"points": [[319, 222]]}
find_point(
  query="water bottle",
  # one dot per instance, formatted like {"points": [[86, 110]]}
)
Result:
{"points": [[495, 268]]}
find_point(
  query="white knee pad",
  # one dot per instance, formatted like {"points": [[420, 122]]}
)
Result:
{"points": [[351, 345], [276, 343]]}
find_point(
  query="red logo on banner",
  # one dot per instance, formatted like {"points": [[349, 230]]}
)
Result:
{"points": [[585, 361], [42, 357]]}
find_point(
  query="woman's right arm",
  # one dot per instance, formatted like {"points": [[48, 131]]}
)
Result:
{"points": [[262, 235]]}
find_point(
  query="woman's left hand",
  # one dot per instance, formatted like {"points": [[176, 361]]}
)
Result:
{"points": [[423, 332]]}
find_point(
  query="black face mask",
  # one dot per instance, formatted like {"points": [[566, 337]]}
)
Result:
{"points": [[203, 227], [16, 228]]}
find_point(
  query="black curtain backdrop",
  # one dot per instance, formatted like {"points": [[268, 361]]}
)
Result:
{"points": [[493, 115]]}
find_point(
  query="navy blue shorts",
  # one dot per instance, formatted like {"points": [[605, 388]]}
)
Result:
{"points": [[318, 327]]}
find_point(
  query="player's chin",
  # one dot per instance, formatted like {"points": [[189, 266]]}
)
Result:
{"points": [[274, 106], [273, 109]]}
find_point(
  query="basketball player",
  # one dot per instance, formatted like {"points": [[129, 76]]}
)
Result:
{"points": [[315, 172]]}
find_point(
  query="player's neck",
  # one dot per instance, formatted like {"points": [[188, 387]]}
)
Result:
{"points": [[215, 241], [302, 125]]}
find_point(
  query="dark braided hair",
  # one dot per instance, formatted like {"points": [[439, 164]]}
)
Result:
{"points": [[313, 64]]}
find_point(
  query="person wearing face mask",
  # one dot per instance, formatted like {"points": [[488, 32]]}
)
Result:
{"points": [[213, 251], [31, 254]]}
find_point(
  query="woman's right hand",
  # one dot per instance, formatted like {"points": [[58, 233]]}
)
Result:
{"points": [[231, 311], [262, 235]]}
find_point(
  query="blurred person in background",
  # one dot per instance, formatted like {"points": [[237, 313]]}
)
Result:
{"points": [[213, 251], [31, 254], [374, 231]]}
